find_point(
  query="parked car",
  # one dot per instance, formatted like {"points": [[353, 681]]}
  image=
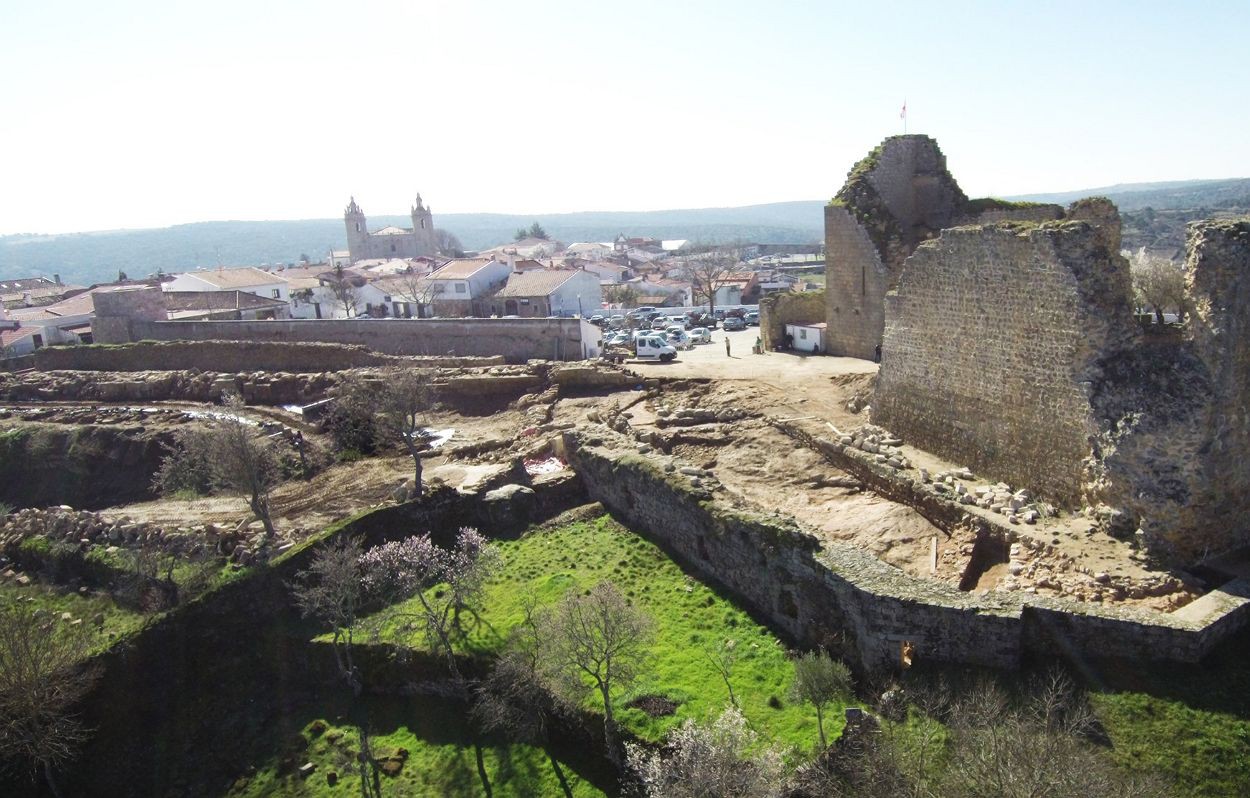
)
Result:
{"points": [[677, 336], [660, 323], [619, 339], [598, 320], [753, 318], [701, 335], [734, 323]]}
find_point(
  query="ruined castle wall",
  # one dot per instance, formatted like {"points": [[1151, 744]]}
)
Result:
{"points": [[990, 343], [778, 310], [1030, 213], [1218, 285], [896, 197], [517, 340], [781, 573], [813, 591], [911, 178], [855, 286]]}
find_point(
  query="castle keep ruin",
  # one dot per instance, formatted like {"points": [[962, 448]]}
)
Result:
{"points": [[1008, 343], [899, 195]]}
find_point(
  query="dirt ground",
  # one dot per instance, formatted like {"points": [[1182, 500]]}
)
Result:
{"points": [[759, 466]]}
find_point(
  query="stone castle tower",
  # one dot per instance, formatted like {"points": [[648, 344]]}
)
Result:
{"points": [[390, 242]]}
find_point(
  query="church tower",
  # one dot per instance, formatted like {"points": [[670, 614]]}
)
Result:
{"points": [[423, 229], [357, 231]]}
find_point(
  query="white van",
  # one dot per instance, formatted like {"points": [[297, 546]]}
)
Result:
{"points": [[654, 346]]}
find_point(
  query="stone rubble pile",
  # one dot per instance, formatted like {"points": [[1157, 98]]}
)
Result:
{"points": [[879, 443], [64, 524], [692, 416], [1034, 566], [1019, 506]]}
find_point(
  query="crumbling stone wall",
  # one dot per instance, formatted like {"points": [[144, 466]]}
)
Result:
{"points": [[1172, 459], [1011, 348], [813, 592], [1218, 285], [898, 196], [778, 310], [991, 342]]}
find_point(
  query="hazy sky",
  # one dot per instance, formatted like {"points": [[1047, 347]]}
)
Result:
{"points": [[140, 114]]}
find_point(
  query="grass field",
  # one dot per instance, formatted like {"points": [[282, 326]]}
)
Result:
{"points": [[1191, 722], [425, 748], [691, 620], [115, 621]]}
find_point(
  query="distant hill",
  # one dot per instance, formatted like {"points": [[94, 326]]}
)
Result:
{"points": [[97, 257], [1177, 195], [1154, 214]]}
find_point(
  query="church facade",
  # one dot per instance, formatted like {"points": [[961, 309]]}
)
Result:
{"points": [[390, 242]]}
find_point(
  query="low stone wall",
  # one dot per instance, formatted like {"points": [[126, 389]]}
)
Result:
{"points": [[516, 340], [778, 310], [814, 592], [233, 356]]}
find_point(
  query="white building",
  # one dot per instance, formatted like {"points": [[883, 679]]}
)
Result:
{"points": [[460, 286], [807, 337], [248, 279], [552, 292]]}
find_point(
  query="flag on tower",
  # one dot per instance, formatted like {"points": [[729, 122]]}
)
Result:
{"points": [[903, 113]]}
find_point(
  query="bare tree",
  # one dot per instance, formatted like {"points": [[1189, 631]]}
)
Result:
{"points": [[1159, 283], [720, 759], [230, 453], [331, 591], [625, 295], [707, 272], [414, 288], [596, 636], [819, 680], [403, 403], [513, 698], [448, 244], [42, 677], [723, 659], [344, 286]]}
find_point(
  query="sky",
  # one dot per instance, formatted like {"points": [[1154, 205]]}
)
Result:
{"points": [[145, 114]]}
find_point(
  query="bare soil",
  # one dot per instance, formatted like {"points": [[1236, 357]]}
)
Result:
{"points": [[760, 468]]}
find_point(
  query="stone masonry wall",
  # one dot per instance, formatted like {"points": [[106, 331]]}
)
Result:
{"points": [[855, 286], [1218, 285], [990, 339], [778, 310], [815, 593], [233, 356], [897, 196], [517, 340]]}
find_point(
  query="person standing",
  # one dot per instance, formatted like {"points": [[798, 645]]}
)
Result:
{"points": [[727, 345]]}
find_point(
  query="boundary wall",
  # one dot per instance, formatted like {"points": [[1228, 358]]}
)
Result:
{"points": [[817, 593], [234, 356]]}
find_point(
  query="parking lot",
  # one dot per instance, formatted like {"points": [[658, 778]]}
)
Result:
{"points": [[710, 360]]}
